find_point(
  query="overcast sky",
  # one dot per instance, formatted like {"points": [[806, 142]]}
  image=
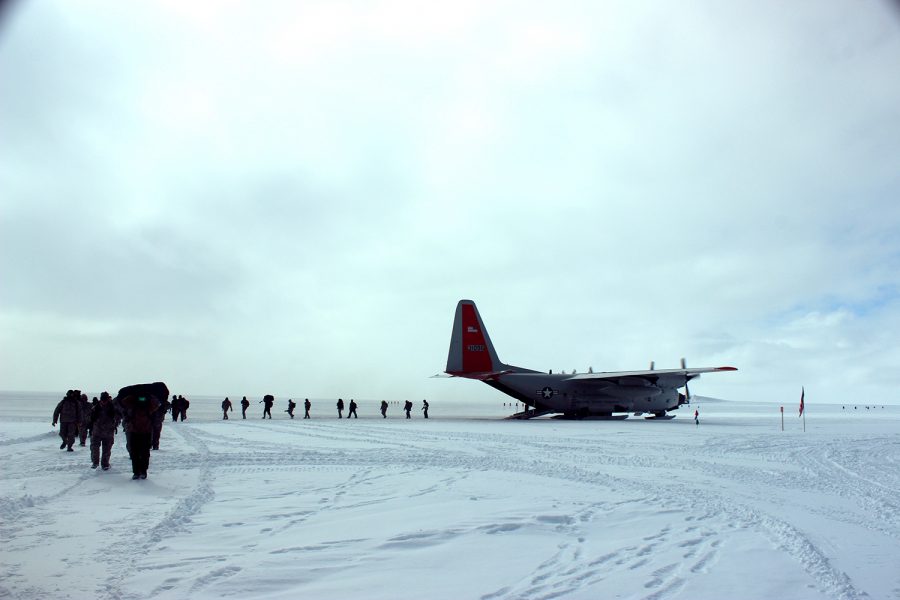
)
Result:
{"points": [[242, 198]]}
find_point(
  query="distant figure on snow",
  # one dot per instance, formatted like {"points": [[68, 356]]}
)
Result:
{"points": [[68, 413], [340, 407], [185, 404], [176, 407], [407, 406], [226, 406], [291, 406], [306, 407], [267, 402], [245, 404], [384, 406], [352, 409], [697, 416], [425, 408]]}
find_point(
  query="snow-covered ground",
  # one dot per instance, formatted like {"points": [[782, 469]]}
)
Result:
{"points": [[463, 505]]}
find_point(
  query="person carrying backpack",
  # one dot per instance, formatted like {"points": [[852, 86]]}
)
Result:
{"points": [[268, 400]]}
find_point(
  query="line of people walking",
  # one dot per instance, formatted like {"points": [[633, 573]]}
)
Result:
{"points": [[141, 412], [268, 402]]}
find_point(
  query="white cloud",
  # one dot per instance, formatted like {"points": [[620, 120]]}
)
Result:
{"points": [[312, 187]]}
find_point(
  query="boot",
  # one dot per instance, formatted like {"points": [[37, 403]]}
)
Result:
{"points": [[135, 477], [63, 445], [94, 465]]}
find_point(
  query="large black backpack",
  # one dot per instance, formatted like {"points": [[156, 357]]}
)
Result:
{"points": [[158, 389]]}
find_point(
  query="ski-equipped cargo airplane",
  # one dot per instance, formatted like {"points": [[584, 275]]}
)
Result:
{"points": [[573, 395]]}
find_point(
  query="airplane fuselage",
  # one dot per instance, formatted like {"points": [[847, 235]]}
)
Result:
{"points": [[561, 394]]}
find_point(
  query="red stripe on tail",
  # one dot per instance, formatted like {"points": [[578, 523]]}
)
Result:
{"points": [[475, 355]]}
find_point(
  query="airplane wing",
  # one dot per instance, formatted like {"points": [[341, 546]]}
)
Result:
{"points": [[652, 376]]}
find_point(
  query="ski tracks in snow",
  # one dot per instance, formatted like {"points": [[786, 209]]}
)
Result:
{"points": [[662, 518], [568, 570], [130, 548], [662, 561]]}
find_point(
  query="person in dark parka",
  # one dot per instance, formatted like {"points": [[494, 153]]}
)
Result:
{"points": [[84, 428], [159, 417], [384, 407], [352, 411], [185, 404], [268, 400], [306, 406], [140, 408], [291, 406], [245, 404], [123, 419], [340, 407], [137, 404], [226, 406], [104, 422], [407, 406], [68, 414], [176, 407]]}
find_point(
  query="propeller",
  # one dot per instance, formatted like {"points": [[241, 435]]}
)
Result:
{"points": [[687, 390]]}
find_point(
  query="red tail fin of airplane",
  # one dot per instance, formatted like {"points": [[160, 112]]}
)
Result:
{"points": [[471, 352]]}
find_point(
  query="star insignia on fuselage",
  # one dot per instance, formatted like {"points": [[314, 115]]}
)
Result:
{"points": [[546, 393]]}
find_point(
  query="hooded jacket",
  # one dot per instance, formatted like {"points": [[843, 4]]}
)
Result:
{"points": [[104, 419], [68, 410]]}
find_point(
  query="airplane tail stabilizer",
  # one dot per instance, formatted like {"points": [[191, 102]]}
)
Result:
{"points": [[471, 352]]}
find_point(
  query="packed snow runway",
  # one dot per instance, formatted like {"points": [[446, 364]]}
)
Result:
{"points": [[457, 507]]}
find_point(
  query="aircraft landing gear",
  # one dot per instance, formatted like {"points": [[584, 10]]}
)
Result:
{"points": [[660, 415]]}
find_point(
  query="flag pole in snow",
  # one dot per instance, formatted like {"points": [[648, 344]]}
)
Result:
{"points": [[802, 411]]}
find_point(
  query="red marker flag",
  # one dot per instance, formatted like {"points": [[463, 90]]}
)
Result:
{"points": [[802, 393]]}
